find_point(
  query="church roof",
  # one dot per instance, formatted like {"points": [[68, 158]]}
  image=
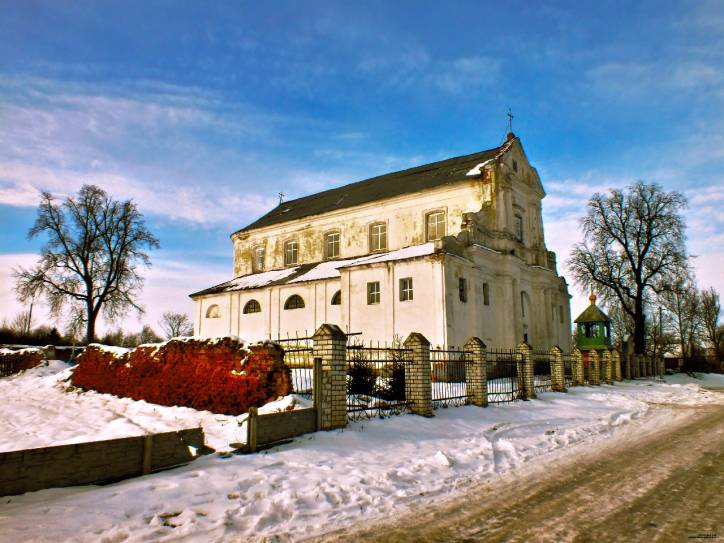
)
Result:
{"points": [[329, 269], [381, 187]]}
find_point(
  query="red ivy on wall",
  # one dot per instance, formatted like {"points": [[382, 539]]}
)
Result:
{"points": [[222, 376]]}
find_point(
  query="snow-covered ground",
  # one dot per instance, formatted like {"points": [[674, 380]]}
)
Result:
{"points": [[39, 407], [319, 481]]}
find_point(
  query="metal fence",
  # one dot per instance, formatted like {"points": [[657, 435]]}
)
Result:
{"points": [[542, 371], [449, 386], [298, 356], [503, 385], [568, 369], [376, 380]]}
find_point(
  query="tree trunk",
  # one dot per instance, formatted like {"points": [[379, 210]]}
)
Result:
{"points": [[639, 327]]}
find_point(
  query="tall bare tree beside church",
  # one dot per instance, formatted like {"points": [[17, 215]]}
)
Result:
{"points": [[633, 244], [89, 263]]}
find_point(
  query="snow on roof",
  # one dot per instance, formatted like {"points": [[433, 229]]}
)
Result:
{"points": [[477, 170], [316, 272]]}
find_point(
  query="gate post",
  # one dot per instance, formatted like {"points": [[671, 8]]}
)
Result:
{"points": [[418, 384], [607, 367], [476, 371], [526, 364], [558, 370], [635, 366], [330, 345], [577, 367], [594, 367]]}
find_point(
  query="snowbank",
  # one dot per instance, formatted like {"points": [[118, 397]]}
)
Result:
{"points": [[318, 481], [41, 408]]}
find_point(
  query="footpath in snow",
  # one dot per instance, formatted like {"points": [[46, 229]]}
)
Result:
{"points": [[316, 483]]}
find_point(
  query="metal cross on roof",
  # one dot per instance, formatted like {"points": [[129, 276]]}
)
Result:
{"points": [[510, 120], [281, 198]]}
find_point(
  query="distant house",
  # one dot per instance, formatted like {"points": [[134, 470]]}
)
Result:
{"points": [[451, 249]]}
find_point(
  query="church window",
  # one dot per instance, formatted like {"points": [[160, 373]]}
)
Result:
{"points": [[515, 165], [337, 298], [463, 289], [524, 303], [213, 312], [435, 224], [252, 306], [331, 245], [406, 289], [373, 293], [291, 252], [258, 263], [560, 313], [519, 228], [294, 302], [486, 294], [378, 237]]}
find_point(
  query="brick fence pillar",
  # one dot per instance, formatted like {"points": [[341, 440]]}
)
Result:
{"points": [[330, 345], [558, 370], [627, 366], [577, 367], [476, 372], [662, 367], [418, 384], [616, 361], [528, 370], [607, 367], [594, 367]]}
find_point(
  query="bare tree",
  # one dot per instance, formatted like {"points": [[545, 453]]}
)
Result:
{"points": [[175, 325], [90, 260], [23, 322], [709, 314], [681, 302], [633, 243]]}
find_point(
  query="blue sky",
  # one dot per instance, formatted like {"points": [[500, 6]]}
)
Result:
{"points": [[203, 112]]}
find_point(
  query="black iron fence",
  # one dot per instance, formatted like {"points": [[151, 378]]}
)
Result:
{"points": [[298, 356], [568, 369], [542, 371], [376, 380], [449, 385], [503, 385]]}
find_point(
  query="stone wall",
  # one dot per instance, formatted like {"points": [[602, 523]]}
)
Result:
{"points": [[222, 375], [96, 462]]}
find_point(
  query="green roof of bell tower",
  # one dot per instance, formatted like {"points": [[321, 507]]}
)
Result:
{"points": [[592, 313]]}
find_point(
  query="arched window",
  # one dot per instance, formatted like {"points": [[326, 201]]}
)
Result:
{"points": [[213, 312], [294, 302], [524, 304], [337, 298], [252, 306]]}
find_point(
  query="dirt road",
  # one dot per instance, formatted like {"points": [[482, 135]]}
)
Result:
{"points": [[663, 484]]}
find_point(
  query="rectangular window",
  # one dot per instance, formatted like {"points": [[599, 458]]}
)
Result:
{"points": [[435, 225], [406, 289], [291, 252], [373, 293], [463, 289], [259, 259], [378, 237], [560, 313], [519, 228], [486, 294], [331, 245]]}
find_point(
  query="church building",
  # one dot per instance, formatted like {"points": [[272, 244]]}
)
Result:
{"points": [[451, 249]]}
